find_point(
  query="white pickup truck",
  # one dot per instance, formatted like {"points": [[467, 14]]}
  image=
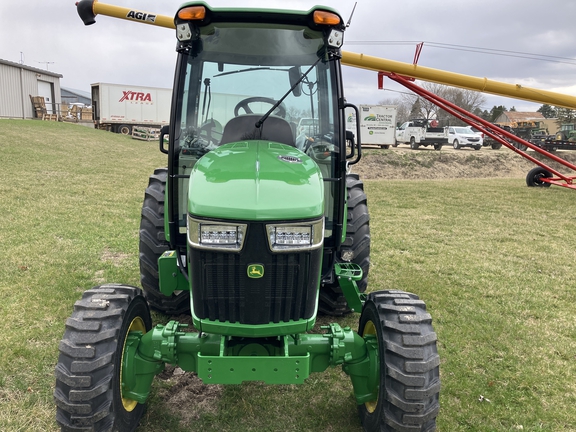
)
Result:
{"points": [[422, 132]]}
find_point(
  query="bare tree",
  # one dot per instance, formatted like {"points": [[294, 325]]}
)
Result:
{"points": [[429, 108], [295, 114], [402, 109], [418, 107], [422, 108], [470, 100]]}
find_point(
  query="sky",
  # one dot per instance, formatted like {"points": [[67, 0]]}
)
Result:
{"points": [[527, 42]]}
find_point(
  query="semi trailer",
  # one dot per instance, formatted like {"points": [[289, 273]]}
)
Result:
{"points": [[122, 107]]}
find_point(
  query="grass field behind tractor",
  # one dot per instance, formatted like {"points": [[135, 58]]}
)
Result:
{"points": [[493, 259]]}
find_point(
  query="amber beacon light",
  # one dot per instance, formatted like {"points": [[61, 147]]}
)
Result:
{"points": [[192, 13], [326, 18]]}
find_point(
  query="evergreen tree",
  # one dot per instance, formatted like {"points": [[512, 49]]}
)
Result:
{"points": [[547, 111], [496, 111], [416, 111], [565, 116]]}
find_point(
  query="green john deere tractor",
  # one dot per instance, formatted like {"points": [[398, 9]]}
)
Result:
{"points": [[253, 228]]}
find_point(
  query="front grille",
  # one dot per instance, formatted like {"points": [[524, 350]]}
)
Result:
{"points": [[223, 291]]}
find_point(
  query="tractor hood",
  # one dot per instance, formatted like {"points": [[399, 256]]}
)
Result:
{"points": [[256, 180]]}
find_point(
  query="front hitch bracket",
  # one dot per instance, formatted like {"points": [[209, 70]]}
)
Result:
{"points": [[219, 359]]}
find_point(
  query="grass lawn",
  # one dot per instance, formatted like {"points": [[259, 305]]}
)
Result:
{"points": [[493, 259]]}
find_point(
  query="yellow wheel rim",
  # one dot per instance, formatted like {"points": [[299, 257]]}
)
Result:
{"points": [[137, 324], [370, 329]]}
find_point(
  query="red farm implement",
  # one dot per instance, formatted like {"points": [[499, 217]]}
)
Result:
{"points": [[542, 175]]}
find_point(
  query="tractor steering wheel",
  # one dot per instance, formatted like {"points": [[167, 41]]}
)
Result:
{"points": [[245, 105]]}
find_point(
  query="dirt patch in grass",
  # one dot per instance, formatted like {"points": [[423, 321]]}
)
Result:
{"points": [[429, 164], [185, 389]]}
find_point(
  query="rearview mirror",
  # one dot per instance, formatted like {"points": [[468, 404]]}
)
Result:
{"points": [[294, 74], [163, 133], [350, 137]]}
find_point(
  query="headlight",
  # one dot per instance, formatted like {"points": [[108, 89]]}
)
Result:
{"points": [[298, 236], [216, 235]]}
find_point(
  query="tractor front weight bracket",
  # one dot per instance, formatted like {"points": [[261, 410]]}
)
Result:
{"points": [[218, 359], [170, 276]]}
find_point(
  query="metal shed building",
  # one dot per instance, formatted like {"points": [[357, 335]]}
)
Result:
{"points": [[18, 82], [76, 96]]}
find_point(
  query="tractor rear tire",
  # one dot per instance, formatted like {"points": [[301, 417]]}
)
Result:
{"points": [[153, 244], [534, 176], [88, 391], [332, 300], [409, 387]]}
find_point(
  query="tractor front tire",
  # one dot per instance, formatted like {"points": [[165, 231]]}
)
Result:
{"points": [[153, 244], [409, 386], [332, 300], [88, 391]]}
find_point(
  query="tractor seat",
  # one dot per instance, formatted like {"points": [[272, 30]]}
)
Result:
{"points": [[243, 128]]}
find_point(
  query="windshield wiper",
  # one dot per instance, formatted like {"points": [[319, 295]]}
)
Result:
{"points": [[277, 104], [248, 70]]}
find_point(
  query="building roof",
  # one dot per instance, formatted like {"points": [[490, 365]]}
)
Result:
{"points": [[76, 92], [30, 68], [517, 116]]}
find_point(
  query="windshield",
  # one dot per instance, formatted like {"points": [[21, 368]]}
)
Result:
{"points": [[243, 70], [237, 75]]}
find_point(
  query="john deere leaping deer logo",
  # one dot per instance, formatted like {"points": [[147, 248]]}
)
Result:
{"points": [[255, 271]]}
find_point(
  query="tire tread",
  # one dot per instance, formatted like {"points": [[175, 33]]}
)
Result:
{"points": [[332, 301], [88, 353], [409, 364], [153, 244]]}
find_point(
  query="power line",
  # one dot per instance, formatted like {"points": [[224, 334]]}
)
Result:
{"points": [[491, 51]]}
